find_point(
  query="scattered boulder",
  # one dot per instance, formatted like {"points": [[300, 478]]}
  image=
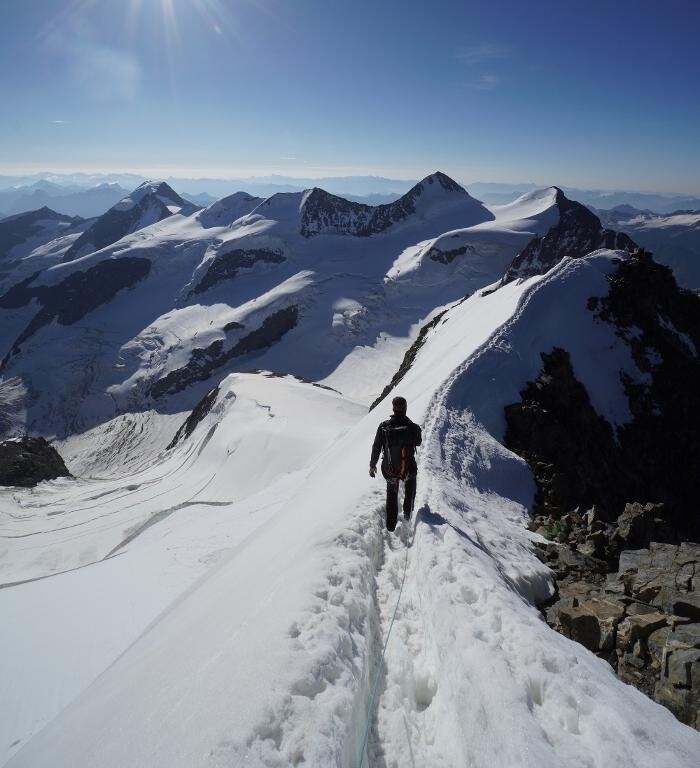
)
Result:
{"points": [[636, 525], [644, 618], [592, 623], [638, 627], [27, 461]]}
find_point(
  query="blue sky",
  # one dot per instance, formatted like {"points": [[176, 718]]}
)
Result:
{"points": [[594, 94]]}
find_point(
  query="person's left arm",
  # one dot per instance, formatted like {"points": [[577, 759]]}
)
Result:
{"points": [[376, 450]]}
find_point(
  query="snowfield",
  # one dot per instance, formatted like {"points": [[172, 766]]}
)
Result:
{"points": [[225, 602]]}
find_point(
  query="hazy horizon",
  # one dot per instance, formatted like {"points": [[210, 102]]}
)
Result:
{"points": [[289, 179]]}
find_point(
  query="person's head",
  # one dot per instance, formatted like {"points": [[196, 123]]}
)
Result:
{"points": [[399, 405]]}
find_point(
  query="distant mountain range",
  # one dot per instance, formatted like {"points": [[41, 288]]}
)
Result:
{"points": [[90, 195]]}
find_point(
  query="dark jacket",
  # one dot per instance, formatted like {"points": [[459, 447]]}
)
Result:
{"points": [[392, 435]]}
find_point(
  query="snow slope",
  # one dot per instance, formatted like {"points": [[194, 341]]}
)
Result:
{"points": [[122, 545], [255, 627]]}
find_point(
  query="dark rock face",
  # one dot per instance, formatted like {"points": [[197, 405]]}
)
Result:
{"points": [[227, 265], [570, 448], [198, 413], [324, 212], [577, 233], [117, 222], [577, 459], [643, 619], [204, 361], [408, 358], [447, 257], [28, 461], [79, 293], [663, 440], [16, 230]]}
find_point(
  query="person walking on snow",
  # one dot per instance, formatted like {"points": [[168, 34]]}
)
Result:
{"points": [[397, 437]]}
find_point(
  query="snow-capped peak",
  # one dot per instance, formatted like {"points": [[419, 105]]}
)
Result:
{"points": [[437, 182], [158, 189], [226, 210], [149, 203], [530, 205]]}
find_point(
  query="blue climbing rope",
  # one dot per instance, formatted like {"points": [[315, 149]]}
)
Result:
{"points": [[370, 709]]}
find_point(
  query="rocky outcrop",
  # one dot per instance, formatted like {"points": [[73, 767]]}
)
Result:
{"points": [[203, 362], [196, 416], [27, 461], [70, 300], [644, 618], [447, 257], [578, 460], [577, 233], [323, 212], [570, 448], [227, 265]]}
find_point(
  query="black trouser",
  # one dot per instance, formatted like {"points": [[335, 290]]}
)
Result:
{"points": [[392, 499]]}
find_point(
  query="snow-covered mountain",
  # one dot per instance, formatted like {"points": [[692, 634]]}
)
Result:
{"points": [[246, 284], [577, 232], [147, 204], [22, 233], [214, 584]]}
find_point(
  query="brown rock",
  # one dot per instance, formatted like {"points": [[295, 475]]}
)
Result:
{"points": [[656, 645], [683, 667], [638, 627], [635, 608], [687, 605], [635, 526], [684, 636], [675, 699], [592, 623]]}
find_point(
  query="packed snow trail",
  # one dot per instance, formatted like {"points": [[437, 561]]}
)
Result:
{"points": [[379, 670]]}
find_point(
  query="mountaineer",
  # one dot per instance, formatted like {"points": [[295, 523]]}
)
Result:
{"points": [[397, 437]]}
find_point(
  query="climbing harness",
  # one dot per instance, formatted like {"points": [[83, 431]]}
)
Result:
{"points": [[375, 684]]}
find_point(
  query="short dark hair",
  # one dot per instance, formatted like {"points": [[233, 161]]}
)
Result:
{"points": [[399, 405]]}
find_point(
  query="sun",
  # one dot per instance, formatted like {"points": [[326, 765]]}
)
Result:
{"points": [[216, 15]]}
